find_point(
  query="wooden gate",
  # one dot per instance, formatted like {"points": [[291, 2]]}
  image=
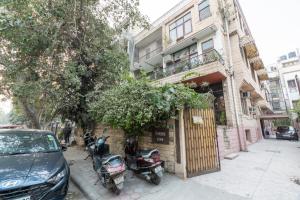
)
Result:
{"points": [[202, 154]]}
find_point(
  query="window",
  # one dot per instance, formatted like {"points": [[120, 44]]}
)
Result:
{"points": [[189, 53], [292, 54], [248, 135], [292, 85], [244, 104], [207, 46], [253, 74], [284, 57], [276, 105], [273, 69], [181, 27], [204, 10]]}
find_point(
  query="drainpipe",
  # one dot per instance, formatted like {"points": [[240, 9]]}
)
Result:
{"points": [[232, 81]]}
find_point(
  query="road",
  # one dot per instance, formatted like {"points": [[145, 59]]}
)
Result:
{"points": [[74, 193], [270, 170]]}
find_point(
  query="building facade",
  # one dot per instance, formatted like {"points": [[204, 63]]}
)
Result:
{"points": [[209, 44], [284, 80]]}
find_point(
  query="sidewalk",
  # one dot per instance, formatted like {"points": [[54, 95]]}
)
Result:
{"points": [[266, 172], [171, 187]]}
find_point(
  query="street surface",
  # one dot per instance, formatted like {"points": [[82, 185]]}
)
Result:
{"points": [[269, 171], [74, 193]]}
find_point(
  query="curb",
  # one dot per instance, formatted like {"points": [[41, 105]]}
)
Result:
{"points": [[80, 187]]}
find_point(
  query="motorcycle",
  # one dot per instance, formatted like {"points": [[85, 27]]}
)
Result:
{"points": [[146, 163], [110, 168], [89, 142]]}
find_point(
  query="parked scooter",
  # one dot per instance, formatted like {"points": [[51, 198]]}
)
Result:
{"points": [[146, 163], [89, 142], [110, 168]]}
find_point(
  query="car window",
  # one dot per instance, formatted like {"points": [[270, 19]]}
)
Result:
{"points": [[27, 142], [282, 128]]}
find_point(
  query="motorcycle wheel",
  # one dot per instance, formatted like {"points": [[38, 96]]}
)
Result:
{"points": [[116, 190], [155, 179]]}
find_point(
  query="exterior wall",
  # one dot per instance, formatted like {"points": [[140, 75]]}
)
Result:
{"points": [[289, 73], [117, 139], [285, 70], [143, 51], [231, 138]]}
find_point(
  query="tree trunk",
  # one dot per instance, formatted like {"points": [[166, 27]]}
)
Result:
{"points": [[30, 114]]}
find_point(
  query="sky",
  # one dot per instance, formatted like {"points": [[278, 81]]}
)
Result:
{"points": [[274, 24]]}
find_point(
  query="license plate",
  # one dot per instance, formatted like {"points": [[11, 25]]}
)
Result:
{"points": [[23, 198], [119, 180], [158, 169]]}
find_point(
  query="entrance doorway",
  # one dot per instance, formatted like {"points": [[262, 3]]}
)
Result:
{"points": [[202, 154]]}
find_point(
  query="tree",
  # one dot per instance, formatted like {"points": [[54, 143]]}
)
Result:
{"points": [[136, 105], [3, 117], [55, 53]]}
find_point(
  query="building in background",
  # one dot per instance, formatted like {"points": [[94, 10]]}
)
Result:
{"points": [[208, 43], [284, 82]]}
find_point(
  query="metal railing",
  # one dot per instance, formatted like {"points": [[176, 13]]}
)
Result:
{"points": [[186, 65]]}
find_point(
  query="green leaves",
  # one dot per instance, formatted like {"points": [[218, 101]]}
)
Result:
{"points": [[136, 105], [56, 53]]}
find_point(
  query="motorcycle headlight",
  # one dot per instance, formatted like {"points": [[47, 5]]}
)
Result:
{"points": [[58, 177]]}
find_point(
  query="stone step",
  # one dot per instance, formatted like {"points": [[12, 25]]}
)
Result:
{"points": [[231, 156]]}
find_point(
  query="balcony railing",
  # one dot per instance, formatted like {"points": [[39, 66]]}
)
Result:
{"points": [[186, 65], [149, 54]]}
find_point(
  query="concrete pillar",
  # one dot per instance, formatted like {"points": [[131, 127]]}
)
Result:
{"points": [[180, 169]]}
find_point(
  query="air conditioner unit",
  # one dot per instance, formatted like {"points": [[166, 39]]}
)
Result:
{"points": [[252, 109], [168, 59], [246, 94]]}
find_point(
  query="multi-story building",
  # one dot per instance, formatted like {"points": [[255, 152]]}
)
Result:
{"points": [[277, 97], [285, 77], [208, 43]]}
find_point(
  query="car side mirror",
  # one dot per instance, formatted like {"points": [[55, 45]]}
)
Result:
{"points": [[64, 147]]}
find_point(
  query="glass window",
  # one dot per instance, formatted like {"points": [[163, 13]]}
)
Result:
{"points": [[181, 27], [180, 31], [208, 45], [187, 17], [204, 10], [173, 35], [179, 22], [276, 105], [292, 54], [244, 104], [203, 4], [284, 57], [188, 27], [292, 85], [22, 142], [172, 26], [193, 49]]}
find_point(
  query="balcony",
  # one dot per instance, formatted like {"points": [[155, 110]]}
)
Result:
{"points": [[257, 63], [262, 74], [151, 56], [189, 65], [249, 45]]}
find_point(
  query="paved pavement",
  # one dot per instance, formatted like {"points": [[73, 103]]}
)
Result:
{"points": [[269, 171], [74, 193]]}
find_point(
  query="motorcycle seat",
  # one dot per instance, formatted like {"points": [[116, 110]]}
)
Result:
{"points": [[107, 158], [146, 153]]}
